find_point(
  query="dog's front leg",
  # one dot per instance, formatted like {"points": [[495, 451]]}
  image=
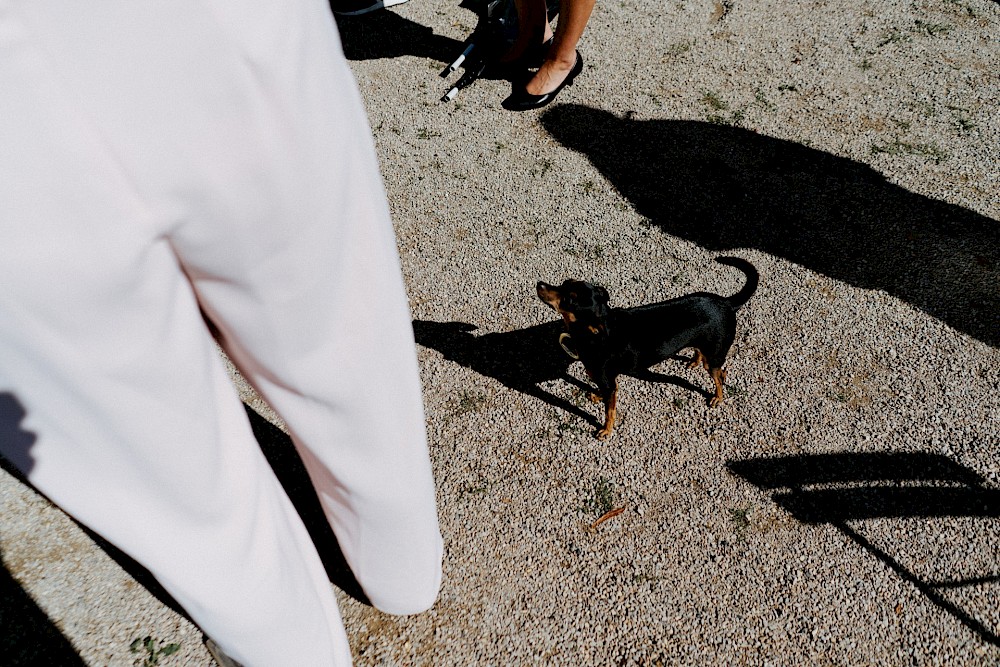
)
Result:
{"points": [[610, 398]]}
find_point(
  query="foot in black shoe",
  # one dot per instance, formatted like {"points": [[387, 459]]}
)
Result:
{"points": [[522, 100]]}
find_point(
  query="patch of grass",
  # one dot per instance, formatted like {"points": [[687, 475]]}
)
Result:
{"points": [[961, 5], [468, 489], [564, 427], [601, 500], [899, 147], [677, 49], [735, 119], [713, 101], [654, 98], [734, 391], [762, 101], [788, 88], [468, 402], [964, 124], [932, 29], [894, 37], [925, 109], [591, 253], [152, 650], [541, 168], [740, 516], [865, 65], [424, 133], [962, 120], [856, 394]]}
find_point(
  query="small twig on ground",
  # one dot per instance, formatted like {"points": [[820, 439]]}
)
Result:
{"points": [[613, 513]]}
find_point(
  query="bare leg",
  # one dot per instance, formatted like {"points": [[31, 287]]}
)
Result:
{"points": [[534, 27], [573, 17]]}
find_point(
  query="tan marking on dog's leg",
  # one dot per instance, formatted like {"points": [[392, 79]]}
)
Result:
{"points": [[718, 377], [697, 360], [610, 410]]}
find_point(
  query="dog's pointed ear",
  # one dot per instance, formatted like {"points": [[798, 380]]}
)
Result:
{"points": [[602, 294]]}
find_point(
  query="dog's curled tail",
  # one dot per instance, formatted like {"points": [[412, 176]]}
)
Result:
{"points": [[753, 279]]}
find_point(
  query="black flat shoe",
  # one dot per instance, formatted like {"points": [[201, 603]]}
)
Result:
{"points": [[522, 100]]}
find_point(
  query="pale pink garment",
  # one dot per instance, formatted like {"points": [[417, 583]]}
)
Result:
{"points": [[161, 156]]}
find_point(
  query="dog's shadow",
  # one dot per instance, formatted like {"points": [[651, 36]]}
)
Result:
{"points": [[522, 359]]}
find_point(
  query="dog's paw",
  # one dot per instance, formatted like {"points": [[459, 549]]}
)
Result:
{"points": [[714, 401], [594, 398], [603, 434]]}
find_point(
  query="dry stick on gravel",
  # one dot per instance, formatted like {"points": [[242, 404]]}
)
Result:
{"points": [[608, 515]]}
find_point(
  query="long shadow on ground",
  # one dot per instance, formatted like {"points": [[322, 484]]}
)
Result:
{"points": [[30, 638], [522, 359], [725, 188], [385, 34], [837, 488], [288, 467]]}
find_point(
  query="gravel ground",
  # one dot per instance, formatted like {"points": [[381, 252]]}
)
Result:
{"points": [[841, 507]]}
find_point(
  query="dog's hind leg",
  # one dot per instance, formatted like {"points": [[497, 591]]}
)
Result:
{"points": [[698, 360], [718, 377]]}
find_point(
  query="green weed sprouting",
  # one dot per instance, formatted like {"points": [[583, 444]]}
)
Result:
{"points": [[153, 650]]}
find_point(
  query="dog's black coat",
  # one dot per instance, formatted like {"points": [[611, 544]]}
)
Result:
{"points": [[615, 341]]}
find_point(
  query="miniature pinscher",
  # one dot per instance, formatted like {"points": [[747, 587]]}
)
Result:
{"points": [[614, 341]]}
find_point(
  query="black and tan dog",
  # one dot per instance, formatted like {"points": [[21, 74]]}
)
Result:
{"points": [[615, 341]]}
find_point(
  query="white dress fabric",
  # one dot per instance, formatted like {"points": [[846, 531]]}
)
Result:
{"points": [[160, 158]]}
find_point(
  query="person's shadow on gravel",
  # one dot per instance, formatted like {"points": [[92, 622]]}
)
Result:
{"points": [[37, 640], [17, 440], [29, 637], [280, 452], [837, 488], [385, 34], [522, 359], [724, 188]]}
